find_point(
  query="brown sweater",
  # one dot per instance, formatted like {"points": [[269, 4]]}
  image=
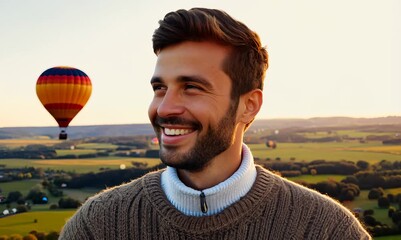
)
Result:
{"points": [[273, 209]]}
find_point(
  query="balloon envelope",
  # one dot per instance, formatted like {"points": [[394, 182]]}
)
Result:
{"points": [[63, 91]]}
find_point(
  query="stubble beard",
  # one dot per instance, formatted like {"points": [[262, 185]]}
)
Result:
{"points": [[215, 141]]}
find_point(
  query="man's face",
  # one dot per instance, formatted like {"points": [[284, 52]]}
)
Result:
{"points": [[191, 111]]}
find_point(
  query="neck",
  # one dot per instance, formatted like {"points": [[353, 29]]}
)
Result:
{"points": [[217, 198], [216, 171]]}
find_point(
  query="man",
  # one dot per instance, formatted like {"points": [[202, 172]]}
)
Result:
{"points": [[207, 87]]}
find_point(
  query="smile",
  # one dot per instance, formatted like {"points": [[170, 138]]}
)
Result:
{"points": [[176, 132]]}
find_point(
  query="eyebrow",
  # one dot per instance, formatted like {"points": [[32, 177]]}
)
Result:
{"points": [[155, 80], [185, 79]]}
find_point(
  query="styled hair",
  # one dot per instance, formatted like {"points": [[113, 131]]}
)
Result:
{"points": [[247, 62]]}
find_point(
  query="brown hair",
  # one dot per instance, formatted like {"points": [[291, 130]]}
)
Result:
{"points": [[247, 63]]}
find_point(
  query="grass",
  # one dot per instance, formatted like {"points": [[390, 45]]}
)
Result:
{"points": [[14, 143], [380, 214], [317, 178], [349, 133], [332, 151], [97, 146], [22, 186], [393, 237], [23, 223], [362, 201], [49, 220], [78, 165], [81, 194], [77, 152], [392, 149]]}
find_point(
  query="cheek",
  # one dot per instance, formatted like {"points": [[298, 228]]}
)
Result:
{"points": [[152, 110]]}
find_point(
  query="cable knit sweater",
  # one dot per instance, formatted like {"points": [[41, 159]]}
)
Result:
{"points": [[274, 208]]}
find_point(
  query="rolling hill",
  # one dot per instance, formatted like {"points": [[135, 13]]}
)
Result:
{"points": [[76, 132]]}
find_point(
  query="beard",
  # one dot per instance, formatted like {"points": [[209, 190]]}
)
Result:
{"points": [[216, 140]]}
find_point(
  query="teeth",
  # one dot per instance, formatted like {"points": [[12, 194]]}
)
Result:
{"points": [[175, 132]]}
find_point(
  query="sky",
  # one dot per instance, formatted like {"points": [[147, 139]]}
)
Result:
{"points": [[327, 58]]}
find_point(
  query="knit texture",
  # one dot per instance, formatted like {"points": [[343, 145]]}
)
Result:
{"points": [[218, 197], [273, 209]]}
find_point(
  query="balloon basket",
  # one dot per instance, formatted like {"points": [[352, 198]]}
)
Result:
{"points": [[62, 135]]}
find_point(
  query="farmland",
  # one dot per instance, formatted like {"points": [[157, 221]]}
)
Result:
{"points": [[80, 157], [78, 165], [350, 151], [46, 221]]}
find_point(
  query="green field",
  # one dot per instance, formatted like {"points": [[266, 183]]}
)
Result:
{"points": [[23, 223], [348, 133], [97, 146], [14, 143], [78, 165], [77, 152], [395, 237], [22, 186], [364, 203], [372, 152], [49, 220], [317, 178], [26, 185]]}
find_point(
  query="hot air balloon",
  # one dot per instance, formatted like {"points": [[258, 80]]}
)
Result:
{"points": [[63, 91]]}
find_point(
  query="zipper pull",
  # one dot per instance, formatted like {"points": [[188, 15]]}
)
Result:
{"points": [[203, 203]]}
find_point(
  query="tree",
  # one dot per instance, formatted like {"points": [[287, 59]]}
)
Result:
{"points": [[30, 237], [383, 202], [370, 220], [391, 197], [53, 206], [37, 195], [14, 196], [350, 179], [396, 217], [39, 235], [15, 237], [52, 235], [347, 195], [375, 193], [22, 208], [328, 187], [363, 165], [391, 211], [368, 212], [68, 203]]}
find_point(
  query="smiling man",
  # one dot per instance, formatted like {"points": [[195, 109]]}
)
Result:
{"points": [[193, 115], [207, 86]]}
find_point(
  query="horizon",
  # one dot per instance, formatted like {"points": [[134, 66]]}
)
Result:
{"points": [[257, 119]]}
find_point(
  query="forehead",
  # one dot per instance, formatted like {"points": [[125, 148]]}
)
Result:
{"points": [[204, 59]]}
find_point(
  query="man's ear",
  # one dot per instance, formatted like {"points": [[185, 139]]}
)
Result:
{"points": [[251, 103]]}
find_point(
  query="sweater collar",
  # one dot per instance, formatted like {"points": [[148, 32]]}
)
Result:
{"points": [[187, 200]]}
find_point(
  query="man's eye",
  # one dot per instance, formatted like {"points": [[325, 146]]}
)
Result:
{"points": [[190, 86], [158, 87]]}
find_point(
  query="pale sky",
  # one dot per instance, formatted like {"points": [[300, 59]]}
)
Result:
{"points": [[327, 58]]}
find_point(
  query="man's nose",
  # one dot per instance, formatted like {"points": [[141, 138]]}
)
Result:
{"points": [[172, 104]]}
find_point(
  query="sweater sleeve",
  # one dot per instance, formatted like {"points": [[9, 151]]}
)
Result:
{"points": [[350, 228], [327, 218]]}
